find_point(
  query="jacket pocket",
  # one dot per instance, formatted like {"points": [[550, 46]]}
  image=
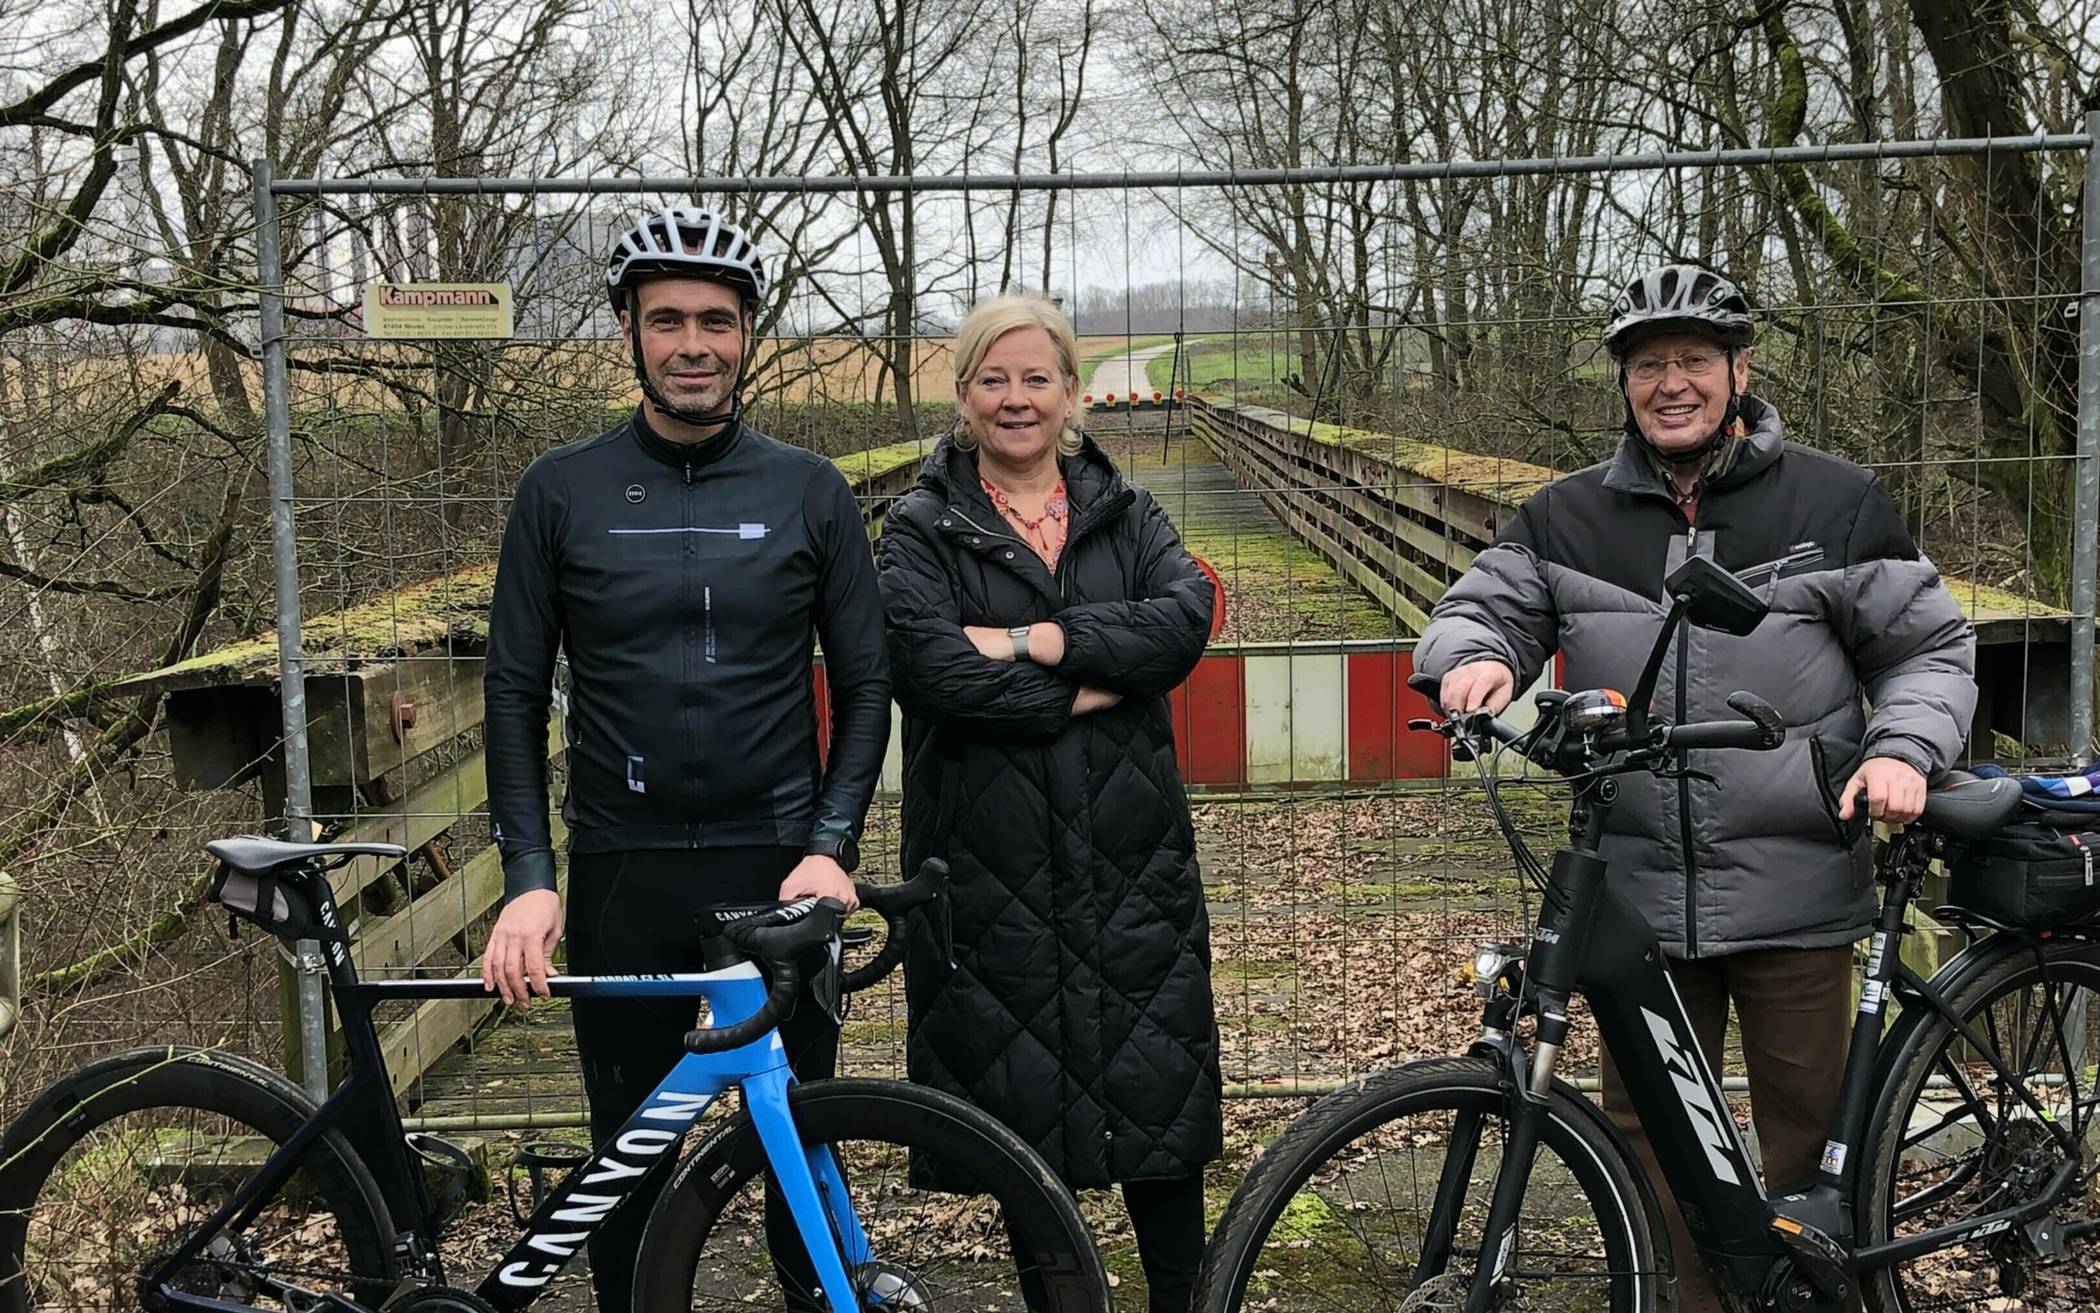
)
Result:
{"points": [[1847, 833]]}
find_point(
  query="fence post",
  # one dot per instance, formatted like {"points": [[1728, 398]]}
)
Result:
{"points": [[2085, 513], [284, 551]]}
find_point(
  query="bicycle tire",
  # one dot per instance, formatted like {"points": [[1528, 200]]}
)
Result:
{"points": [[1333, 1232], [940, 1250], [103, 1171], [1941, 1151]]}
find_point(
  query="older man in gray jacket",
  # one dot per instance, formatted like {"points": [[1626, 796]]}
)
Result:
{"points": [[1757, 888]]}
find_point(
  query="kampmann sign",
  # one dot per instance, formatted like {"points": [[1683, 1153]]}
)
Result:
{"points": [[429, 310]]}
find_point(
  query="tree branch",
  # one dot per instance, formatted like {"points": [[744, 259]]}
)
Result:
{"points": [[1789, 114], [87, 465], [41, 100]]}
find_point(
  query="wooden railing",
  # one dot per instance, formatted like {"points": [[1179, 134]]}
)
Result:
{"points": [[1403, 519]]}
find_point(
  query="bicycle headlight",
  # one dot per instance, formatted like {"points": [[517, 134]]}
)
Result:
{"points": [[1596, 710]]}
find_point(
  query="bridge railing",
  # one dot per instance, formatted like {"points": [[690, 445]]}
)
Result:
{"points": [[1403, 519]]}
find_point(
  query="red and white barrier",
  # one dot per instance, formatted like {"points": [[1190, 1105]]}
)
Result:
{"points": [[1284, 715]]}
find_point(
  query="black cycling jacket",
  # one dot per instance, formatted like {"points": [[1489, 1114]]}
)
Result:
{"points": [[684, 583]]}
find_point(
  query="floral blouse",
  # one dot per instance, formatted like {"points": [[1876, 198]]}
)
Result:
{"points": [[1047, 533]]}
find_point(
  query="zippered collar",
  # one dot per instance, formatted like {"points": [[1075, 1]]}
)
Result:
{"points": [[1631, 471], [682, 455]]}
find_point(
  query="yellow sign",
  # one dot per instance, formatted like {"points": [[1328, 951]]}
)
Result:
{"points": [[451, 310]]}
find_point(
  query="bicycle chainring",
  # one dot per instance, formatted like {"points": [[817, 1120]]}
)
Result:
{"points": [[438, 1299]]}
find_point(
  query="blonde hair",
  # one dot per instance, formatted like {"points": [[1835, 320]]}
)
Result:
{"points": [[987, 322]]}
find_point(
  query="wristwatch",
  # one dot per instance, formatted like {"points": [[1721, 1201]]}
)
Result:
{"points": [[840, 848], [1019, 635]]}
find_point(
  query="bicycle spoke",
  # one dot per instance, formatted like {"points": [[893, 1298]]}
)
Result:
{"points": [[1976, 1146]]}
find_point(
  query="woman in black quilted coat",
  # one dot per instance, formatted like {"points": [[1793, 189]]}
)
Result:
{"points": [[1040, 609]]}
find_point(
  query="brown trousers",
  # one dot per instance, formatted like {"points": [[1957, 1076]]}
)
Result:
{"points": [[1794, 1009]]}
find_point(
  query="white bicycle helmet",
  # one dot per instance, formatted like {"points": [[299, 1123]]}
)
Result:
{"points": [[1678, 298], [685, 241]]}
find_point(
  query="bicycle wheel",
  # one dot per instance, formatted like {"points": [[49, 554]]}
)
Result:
{"points": [[1951, 1140], [705, 1245], [1334, 1214], [118, 1163]]}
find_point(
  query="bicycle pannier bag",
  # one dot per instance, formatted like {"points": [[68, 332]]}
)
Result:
{"points": [[2031, 874]]}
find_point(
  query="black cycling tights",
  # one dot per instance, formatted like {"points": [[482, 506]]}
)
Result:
{"points": [[633, 913]]}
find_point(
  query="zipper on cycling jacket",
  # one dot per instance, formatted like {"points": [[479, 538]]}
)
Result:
{"points": [[1684, 783], [688, 575]]}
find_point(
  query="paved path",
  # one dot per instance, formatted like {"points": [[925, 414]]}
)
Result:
{"points": [[1125, 373]]}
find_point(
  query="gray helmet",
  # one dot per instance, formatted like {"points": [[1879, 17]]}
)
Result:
{"points": [[1678, 298], [685, 241]]}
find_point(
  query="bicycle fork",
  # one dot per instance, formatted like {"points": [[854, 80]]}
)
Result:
{"points": [[1555, 961], [813, 1183]]}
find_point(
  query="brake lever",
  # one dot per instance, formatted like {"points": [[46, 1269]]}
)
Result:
{"points": [[1462, 744]]}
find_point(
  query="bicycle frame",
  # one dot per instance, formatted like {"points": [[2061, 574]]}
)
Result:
{"points": [[363, 1106], [1590, 940]]}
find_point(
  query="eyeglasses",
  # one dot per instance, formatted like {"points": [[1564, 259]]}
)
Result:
{"points": [[1691, 364]]}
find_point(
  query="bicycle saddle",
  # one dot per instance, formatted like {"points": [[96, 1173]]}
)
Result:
{"points": [[251, 854], [1964, 807]]}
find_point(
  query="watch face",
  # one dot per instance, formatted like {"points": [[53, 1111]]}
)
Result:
{"points": [[849, 854]]}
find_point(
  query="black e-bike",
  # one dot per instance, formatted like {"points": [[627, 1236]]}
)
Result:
{"points": [[1959, 1168]]}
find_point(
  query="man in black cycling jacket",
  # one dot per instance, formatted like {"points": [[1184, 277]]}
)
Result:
{"points": [[682, 560]]}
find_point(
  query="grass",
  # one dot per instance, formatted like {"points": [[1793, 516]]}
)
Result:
{"points": [[1283, 589], [1216, 362], [1389, 890], [1248, 969]]}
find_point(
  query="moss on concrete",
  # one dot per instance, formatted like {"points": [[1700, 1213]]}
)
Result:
{"points": [[861, 465], [443, 609]]}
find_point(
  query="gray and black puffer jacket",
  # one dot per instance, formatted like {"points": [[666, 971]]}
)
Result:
{"points": [[1761, 860]]}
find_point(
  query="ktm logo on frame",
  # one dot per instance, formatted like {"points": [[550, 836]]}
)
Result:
{"points": [[1708, 1121]]}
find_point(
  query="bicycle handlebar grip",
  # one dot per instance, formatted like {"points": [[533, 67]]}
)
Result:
{"points": [[787, 979], [1766, 717], [891, 901], [1718, 734], [794, 928], [1763, 730]]}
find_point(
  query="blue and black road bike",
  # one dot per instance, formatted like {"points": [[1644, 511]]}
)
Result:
{"points": [[183, 1180]]}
